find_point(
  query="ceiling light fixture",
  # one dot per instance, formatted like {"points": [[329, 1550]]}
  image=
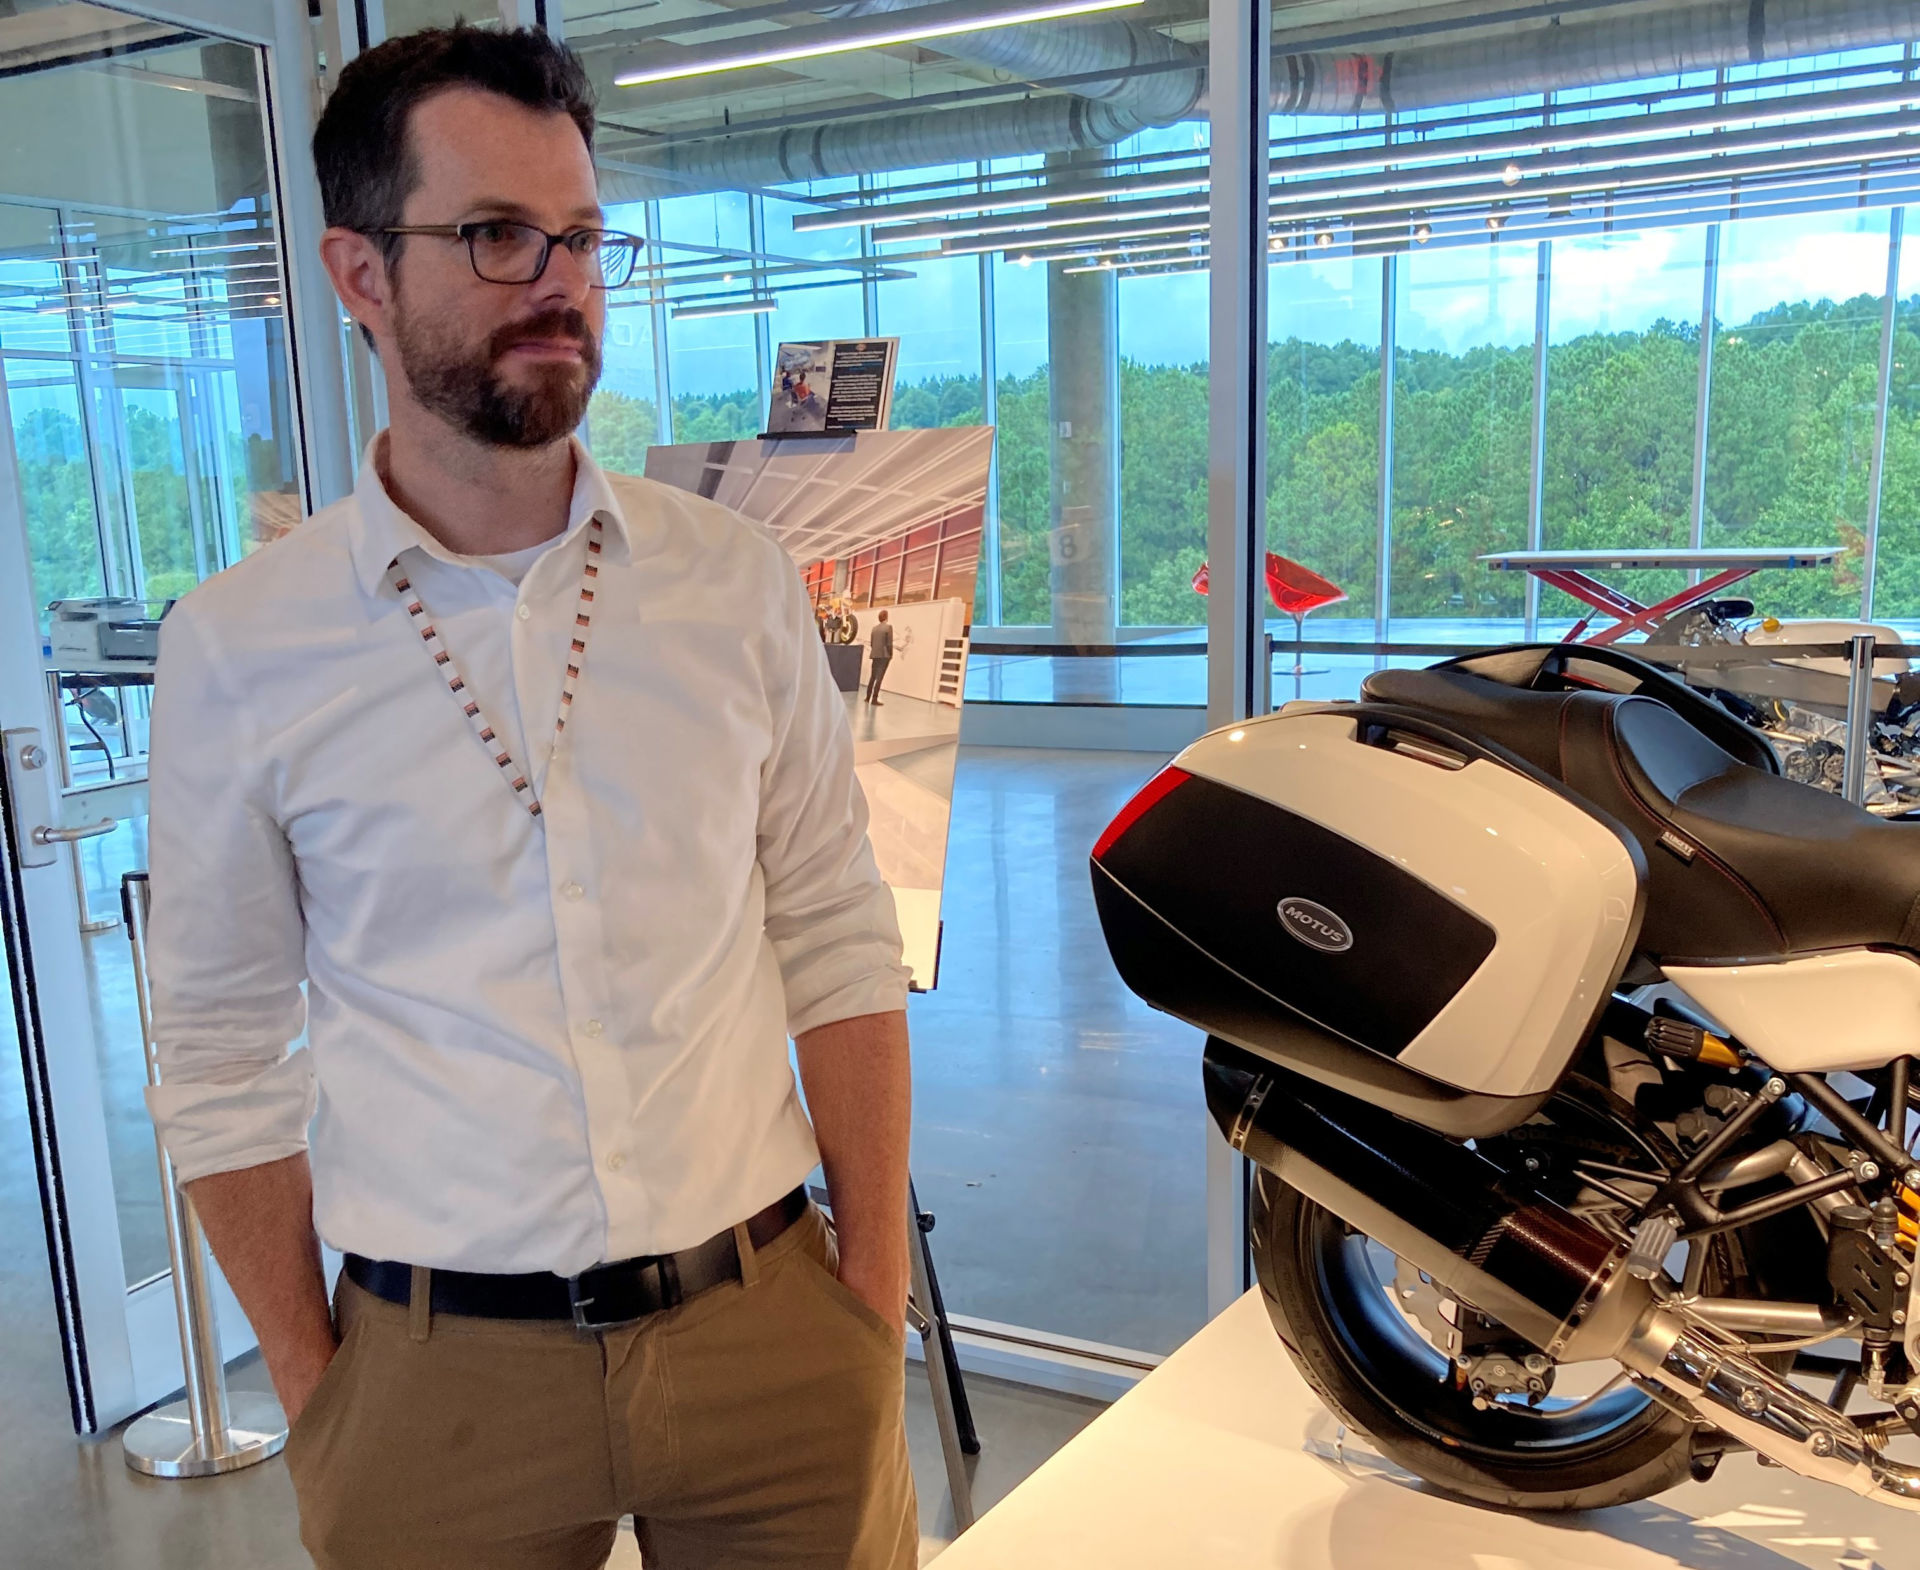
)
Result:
{"points": [[1020, 222], [756, 307], [1011, 199], [1323, 239], [1510, 175], [1422, 233], [869, 32], [202, 250]]}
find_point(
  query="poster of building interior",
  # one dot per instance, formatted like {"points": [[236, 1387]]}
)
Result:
{"points": [[879, 521]]}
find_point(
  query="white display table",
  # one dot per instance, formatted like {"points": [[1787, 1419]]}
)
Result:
{"points": [[1222, 1460]]}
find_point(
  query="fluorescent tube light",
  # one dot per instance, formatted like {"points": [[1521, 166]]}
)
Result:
{"points": [[1008, 199], [926, 21], [873, 32], [758, 307]]}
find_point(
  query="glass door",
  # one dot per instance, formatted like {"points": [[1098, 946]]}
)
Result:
{"points": [[148, 438]]}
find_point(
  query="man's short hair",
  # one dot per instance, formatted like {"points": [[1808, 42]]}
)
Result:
{"points": [[361, 147]]}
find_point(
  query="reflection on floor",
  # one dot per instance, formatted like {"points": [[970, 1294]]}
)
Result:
{"points": [[1059, 1130]]}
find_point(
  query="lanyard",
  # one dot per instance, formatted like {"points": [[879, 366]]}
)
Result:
{"points": [[483, 730]]}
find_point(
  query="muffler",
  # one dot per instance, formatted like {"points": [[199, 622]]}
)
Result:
{"points": [[1725, 1387], [1539, 1269], [1533, 1265]]}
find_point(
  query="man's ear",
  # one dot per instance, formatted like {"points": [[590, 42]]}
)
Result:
{"points": [[358, 268]]}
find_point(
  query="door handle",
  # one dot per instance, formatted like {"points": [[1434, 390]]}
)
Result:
{"points": [[46, 836], [29, 773]]}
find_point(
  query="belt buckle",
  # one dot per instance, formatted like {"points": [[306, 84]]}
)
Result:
{"points": [[623, 1293]]}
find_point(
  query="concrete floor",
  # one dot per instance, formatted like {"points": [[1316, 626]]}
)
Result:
{"points": [[1059, 1129], [1059, 1140]]}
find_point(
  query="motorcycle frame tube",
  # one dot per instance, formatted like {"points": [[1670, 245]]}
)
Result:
{"points": [[1763, 1411]]}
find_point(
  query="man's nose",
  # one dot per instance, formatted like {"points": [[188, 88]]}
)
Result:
{"points": [[568, 279]]}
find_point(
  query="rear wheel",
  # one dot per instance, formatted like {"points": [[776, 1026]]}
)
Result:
{"points": [[1349, 1314]]}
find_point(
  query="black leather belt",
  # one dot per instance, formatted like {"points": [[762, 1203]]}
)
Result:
{"points": [[596, 1299]]}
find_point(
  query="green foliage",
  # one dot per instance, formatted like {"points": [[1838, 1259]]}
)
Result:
{"points": [[1788, 463], [620, 429], [718, 417], [62, 536]]}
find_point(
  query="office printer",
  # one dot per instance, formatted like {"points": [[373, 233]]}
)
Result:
{"points": [[102, 634]]}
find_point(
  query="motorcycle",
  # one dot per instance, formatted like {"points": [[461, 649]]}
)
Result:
{"points": [[1799, 702], [1573, 1045]]}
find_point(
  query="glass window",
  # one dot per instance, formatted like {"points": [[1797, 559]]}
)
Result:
{"points": [[35, 281], [1462, 436], [623, 419], [715, 359], [1623, 382], [56, 480], [1896, 580], [1163, 441], [1323, 427], [1796, 372], [1024, 460]]}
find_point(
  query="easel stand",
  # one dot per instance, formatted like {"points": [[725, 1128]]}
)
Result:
{"points": [[213, 1430]]}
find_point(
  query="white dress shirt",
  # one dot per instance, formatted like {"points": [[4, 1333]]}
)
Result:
{"points": [[532, 1043]]}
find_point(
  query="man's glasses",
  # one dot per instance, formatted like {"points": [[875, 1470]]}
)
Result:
{"points": [[503, 251]]}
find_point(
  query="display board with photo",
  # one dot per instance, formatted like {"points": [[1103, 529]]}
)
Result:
{"points": [[878, 523], [842, 385]]}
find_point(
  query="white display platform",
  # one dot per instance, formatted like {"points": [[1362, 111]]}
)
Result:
{"points": [[1221, 1459]]}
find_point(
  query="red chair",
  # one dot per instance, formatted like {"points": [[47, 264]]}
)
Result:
{"points": [[1296, 591]]}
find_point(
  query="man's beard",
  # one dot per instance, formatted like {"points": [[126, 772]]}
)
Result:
{"points": [[459, 382]]}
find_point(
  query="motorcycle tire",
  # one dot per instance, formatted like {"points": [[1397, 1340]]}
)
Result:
{"points": [[1651, 1450]]}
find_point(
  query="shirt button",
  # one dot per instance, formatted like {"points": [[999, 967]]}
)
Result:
{"points": [[572, 890], [593, 1028], [616, 1161], [523, 613]]}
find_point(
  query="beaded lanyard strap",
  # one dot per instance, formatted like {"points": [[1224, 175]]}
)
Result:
{"points": [[483, 729]]}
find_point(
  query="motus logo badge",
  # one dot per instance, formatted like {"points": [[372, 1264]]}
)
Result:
{"points": [[1316, 926]]}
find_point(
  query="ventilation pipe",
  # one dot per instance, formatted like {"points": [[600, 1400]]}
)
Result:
{"points": [[1659, 42], [1505, 63]]}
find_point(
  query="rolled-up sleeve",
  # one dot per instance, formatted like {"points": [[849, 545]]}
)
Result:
{"points": [[225, 946], [829, 916]]}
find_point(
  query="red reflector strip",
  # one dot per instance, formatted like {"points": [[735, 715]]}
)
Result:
{"points": [[1151, 795]]}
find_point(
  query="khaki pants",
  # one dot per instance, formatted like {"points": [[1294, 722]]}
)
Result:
{"points": [[760, 1424]]}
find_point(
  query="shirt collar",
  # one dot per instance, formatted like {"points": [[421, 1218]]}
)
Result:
{"points": [[380, 531]]}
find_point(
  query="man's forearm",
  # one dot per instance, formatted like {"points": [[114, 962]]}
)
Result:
{"points": [[259, 1221], [858, 1082]]}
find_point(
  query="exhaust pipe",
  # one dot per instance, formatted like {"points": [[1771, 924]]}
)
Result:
{"points": [[1727, 1388], [1537, 1268]]}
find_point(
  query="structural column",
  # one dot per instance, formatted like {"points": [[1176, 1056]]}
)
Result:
{"points": [[1083, 352]]}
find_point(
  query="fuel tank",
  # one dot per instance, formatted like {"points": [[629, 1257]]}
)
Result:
{"points": [[1374, 902]]}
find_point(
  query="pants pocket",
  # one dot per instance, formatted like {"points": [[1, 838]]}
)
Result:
{"points": [[819, 1257]]}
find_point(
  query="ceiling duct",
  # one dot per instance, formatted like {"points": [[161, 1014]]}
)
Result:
{"points": [[1504, 63], [1657, 42]]}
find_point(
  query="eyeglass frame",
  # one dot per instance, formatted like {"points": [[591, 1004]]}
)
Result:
{"points": [[461, 231]]}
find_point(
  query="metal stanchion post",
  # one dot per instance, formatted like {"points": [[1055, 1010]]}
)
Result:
{"points": [[1859, 718], [934, 1350], [212, 1430]]}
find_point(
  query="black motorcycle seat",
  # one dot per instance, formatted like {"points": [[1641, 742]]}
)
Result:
{"points": [[1742, 864]]}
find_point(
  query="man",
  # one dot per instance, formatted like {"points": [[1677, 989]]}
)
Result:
{"points": [[880, 652], [534, 778]]}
